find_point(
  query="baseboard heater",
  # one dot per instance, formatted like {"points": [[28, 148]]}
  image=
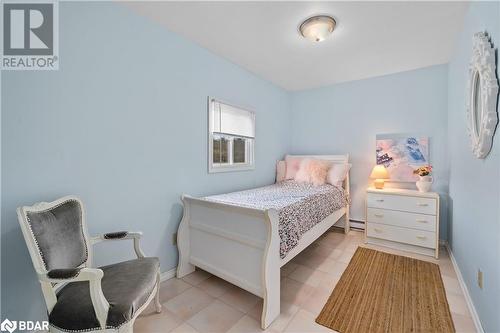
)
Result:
{"points": [[357, 224]]}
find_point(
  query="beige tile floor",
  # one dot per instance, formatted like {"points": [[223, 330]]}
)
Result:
{"points": [[201, 302]]}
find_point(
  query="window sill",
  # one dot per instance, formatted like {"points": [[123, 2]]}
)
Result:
{"points": [[231, 168]]}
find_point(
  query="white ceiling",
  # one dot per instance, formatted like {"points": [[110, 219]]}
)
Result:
{"points": [[371, 38]]}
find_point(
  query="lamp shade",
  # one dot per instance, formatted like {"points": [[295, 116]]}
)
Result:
{"points": [[379, 172]]}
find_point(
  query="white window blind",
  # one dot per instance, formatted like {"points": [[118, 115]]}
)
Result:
{"points": [[234, 121], [231, 137]]}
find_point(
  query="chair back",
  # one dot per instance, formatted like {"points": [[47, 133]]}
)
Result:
{"points": [[57, 231], [56, 236]]}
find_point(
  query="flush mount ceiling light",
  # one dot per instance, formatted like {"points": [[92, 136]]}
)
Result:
{"points": [[317, 28]]}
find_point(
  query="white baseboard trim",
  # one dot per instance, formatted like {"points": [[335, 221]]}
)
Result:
{"points": [[168, 274], [465, 290]]}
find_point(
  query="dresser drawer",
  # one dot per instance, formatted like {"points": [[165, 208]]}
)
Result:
{"points": [[402, 235], [402, 203], [402, 219]]}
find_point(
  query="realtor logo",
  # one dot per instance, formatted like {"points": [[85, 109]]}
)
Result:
{"points": [[30, 35], [23, 325], [8, 325]]}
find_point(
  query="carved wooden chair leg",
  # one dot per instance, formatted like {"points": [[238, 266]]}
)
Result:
{"points": [[157, 297]]}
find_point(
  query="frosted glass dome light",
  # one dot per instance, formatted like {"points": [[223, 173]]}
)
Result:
{"points": [[317, 28]]}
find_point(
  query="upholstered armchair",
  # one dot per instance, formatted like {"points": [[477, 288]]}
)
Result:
{"points": [[78, 296]]}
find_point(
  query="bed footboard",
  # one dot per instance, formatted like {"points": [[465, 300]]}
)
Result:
{"points": [[239, 245]]}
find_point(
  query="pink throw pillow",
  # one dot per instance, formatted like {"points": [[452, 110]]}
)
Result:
{"points": [[312, 171], [302, 175], [292, 166], [318, 171], [280, 171], [337, 173]]}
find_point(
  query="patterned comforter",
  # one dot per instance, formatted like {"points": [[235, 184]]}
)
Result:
{"points": [[300, 205]]}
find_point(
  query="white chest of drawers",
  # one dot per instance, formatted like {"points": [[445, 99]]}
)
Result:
{"points": [[403, 219]]}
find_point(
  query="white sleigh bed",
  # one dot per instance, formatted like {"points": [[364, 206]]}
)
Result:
{"points": [[242, 245]]}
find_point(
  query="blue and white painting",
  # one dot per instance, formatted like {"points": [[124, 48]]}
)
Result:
{"points": [[401, 154]]}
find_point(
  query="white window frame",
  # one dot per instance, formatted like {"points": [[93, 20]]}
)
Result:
{"points": [[249, 149]]}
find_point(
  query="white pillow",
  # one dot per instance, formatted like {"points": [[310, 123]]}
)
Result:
{"points": [[337, 173]]}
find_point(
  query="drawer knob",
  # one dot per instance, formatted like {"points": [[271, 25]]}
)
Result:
{"points": [[380, 200], [422, 221], [421, 237], [377, 230], [421, 204], [379, 215]]}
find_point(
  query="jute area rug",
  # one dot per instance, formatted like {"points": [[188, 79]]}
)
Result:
{"points": [[381, 292]]}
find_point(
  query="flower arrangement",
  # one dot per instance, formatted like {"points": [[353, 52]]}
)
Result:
{"points": [[423, 171]]}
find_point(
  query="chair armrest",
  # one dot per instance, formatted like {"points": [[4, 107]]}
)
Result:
{"points": [[71, 275], [115, 235], [63, 274], [121, 235], [93, 275]]}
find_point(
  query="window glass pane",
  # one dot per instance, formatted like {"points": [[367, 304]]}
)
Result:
{"points": [[220, 150], [239, 146], [224, 151], [216, 150]]}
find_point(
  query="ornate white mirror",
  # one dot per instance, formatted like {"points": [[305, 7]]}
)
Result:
{"points": [[482, 100]]}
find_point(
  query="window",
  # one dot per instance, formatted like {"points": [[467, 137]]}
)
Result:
{"points": [[231, 136]]}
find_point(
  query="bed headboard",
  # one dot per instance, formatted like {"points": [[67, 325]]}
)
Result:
{"points": [[332, 158]]}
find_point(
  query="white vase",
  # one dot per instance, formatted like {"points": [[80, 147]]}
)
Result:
{"points": [[426, 178], [424, 184]]}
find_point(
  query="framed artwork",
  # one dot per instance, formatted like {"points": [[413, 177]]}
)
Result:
{"points": [[401, 154]]}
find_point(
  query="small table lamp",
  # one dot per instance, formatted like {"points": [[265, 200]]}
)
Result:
{"points": [[379, 173]]}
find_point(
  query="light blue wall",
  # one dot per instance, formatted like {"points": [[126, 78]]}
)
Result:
{"points": [[346, 117], [474, 232], [123, 125]]}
